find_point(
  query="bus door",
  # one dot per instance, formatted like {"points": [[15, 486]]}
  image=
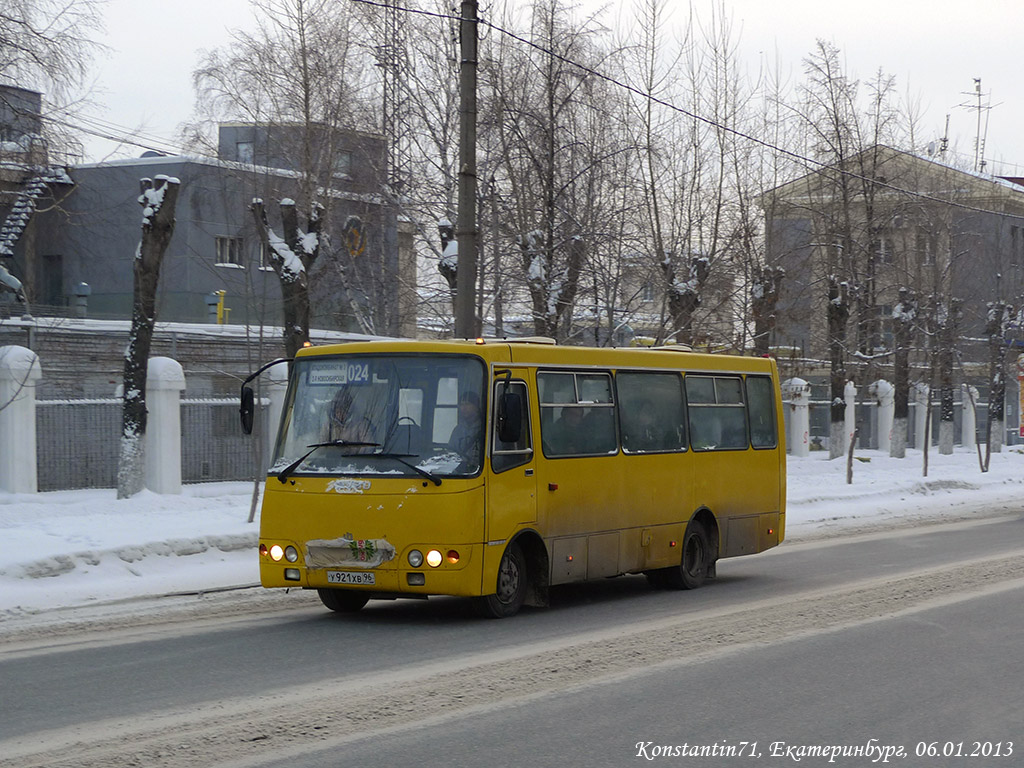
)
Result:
{"points": [[512, 482]]}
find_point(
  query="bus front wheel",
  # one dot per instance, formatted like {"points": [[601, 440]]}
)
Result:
{"points": [[342, 600], [696, 560], [511, 587]]}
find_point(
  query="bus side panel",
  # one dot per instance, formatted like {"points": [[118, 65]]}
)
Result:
{"points": [[742, 489]]}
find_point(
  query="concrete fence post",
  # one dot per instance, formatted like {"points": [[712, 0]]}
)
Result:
{"points": [[885, 396], [969, 423], [797, 393], [850, 415], [165, 381], [19, 372]]}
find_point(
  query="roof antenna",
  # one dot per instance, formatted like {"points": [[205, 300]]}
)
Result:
{"points": [[983, 106]]}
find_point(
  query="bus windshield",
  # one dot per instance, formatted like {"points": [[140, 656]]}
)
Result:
{"points": [[384, 415]]}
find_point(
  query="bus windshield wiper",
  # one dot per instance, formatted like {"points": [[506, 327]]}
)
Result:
{"points": [[401, 457], [285, 473]]}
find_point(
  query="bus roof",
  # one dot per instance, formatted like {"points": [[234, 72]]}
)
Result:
{"points": [[535, 352]]}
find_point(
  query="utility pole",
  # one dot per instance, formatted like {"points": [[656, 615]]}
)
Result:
{"points": [[465, 229]]}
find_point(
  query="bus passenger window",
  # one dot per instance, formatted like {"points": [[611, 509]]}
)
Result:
{"points": [[577, 414], [650, 411], [761, 404], [717, 414]]}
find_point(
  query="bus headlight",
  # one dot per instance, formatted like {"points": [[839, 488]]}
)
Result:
{"points": [[276, 553], [291, 554], [415, 558], [433, 558]]}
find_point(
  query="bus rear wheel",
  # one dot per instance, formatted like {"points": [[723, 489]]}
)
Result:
{"points": [[693, 571], [511, 587], [342, 600]]}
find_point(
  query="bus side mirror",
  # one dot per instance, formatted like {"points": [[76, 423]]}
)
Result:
{"points": [[247, 410], [510, 417]]}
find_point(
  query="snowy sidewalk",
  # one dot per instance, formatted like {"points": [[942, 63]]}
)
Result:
{"points": [[72, 548]]}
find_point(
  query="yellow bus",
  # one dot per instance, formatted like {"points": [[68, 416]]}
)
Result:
{"points": [[496, 469]]}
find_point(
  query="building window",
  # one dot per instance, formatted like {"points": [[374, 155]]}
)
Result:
{"points": [[245, 152], [886, 249], [647, 293], [927, 246], [229, 251], [343, 163]]}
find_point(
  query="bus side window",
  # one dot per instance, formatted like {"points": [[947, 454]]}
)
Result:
{"points": [[761, 404], [505, 456], [650, 411], [717, 413], [577, 414]]}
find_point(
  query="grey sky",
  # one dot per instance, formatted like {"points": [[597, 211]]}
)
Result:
{"points": [[935, 48]]}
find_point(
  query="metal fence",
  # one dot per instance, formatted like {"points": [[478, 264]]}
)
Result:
{"points": [[78, 443]]}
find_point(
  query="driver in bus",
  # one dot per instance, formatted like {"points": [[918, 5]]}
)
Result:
{"points": [[465, 437], [343, 424]]}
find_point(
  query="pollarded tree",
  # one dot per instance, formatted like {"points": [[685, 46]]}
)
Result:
{"points": [[305, 76], [291, 257], [158, 200]]}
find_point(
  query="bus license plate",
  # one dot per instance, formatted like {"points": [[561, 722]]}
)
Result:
{"points": [[350, 577]]}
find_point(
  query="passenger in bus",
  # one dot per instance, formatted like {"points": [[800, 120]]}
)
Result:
{"points": [[567, 435], [345, 425], [465, 437], [644, 432]]}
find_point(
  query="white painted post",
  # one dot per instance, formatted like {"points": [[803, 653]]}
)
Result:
{"points": [[922, 412], [165, 381], [277, 386], [969, 424], [19, 372], [798, 393], [850, 416], [885, 395]]}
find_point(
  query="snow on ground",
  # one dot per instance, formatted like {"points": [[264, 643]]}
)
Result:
{"points": [[75, 548]]}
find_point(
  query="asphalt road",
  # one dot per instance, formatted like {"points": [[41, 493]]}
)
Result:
{"points": [[889, 640]]}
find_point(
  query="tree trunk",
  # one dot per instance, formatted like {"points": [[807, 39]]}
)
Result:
{"points": [[998, 318], [291, 257], [684, 296], [838, 313], [158, 201], [904, 315], [764, 299], [947, 345]]}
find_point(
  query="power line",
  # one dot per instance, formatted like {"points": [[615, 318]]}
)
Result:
{"points": [[808, 162]]}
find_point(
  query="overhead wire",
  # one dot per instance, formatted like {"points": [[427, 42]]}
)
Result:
{"points": [[809, 162]]}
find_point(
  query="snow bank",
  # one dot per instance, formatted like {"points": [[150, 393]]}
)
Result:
{"points": [[71, 548]]}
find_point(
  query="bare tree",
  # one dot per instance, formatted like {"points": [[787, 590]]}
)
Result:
{"points": [[48, 45], [158, 200], [291, 256], [304, 76], [904, 318]]}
